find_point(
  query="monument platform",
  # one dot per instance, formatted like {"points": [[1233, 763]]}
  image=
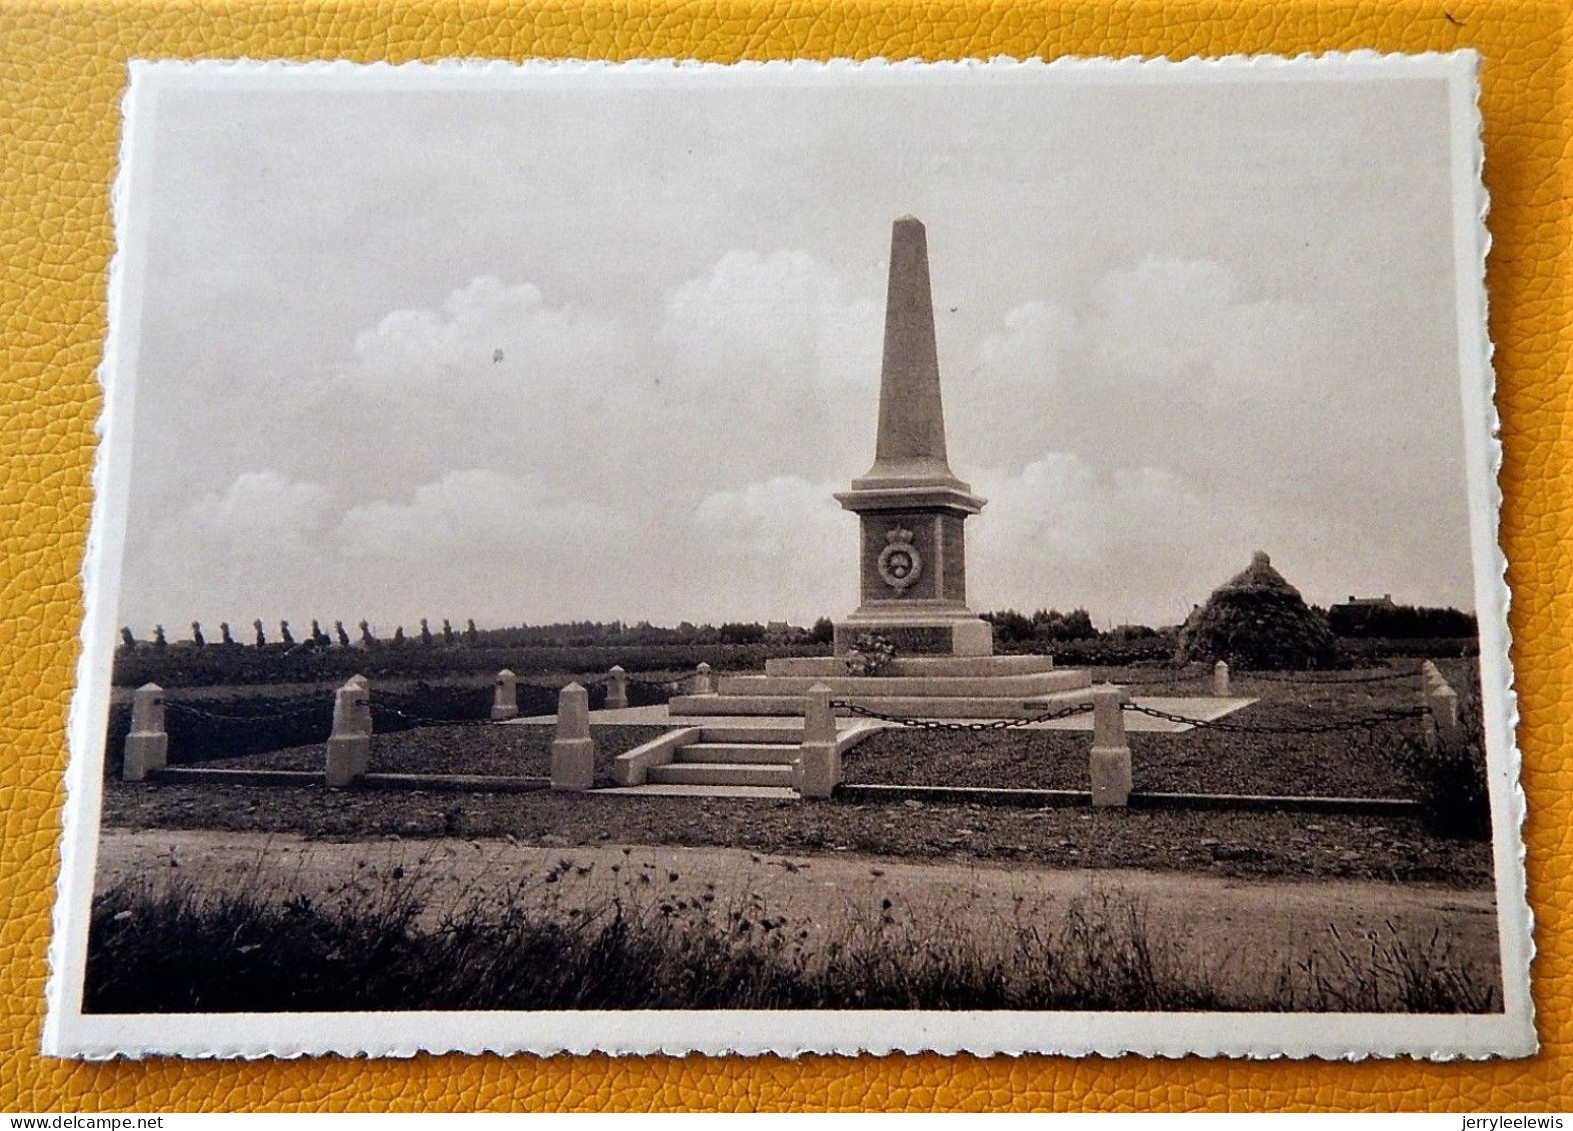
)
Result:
{"points": [[938, 687], [1204, 709], [928, 666], [987, 687]]}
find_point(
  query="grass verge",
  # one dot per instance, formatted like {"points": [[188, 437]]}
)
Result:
{"points": [[380, 943], [1450, 779]]}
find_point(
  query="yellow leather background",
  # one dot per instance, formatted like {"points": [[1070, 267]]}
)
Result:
{"points": [[61, 73]]}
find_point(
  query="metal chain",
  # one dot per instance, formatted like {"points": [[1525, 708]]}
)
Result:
{"points": [[936, 724], [544, 689], [1365, 723], [1268, 678], [298, 712], [427, 721], [1157, 682], [671, 685], [588, 681], [383, 698], [391, 696]]}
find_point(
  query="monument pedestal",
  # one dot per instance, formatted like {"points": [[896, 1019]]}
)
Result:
{"points": [[960, 633]]}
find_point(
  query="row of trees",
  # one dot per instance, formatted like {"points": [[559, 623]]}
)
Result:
{"points": [[1043, 626], [1401, 622], [1388, 622], [568, 634], [316, 638], [1011, 627]]}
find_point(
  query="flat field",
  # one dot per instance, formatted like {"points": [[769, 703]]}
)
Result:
{"points": [[1348, 763], [250, 897], [216, 921], [1357, 763]]}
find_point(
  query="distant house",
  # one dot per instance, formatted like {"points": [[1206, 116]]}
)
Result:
{"points": [[1360, 616]]}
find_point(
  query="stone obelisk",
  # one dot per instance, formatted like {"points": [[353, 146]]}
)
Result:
{"points": [[911, 505]]}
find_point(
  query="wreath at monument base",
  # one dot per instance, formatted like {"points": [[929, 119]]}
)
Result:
{"points": [[869, 655]]}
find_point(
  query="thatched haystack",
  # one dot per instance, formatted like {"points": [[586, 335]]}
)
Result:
{"points": [[1258, 620]]}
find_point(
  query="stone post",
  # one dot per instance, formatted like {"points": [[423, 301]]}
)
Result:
{"points": [[349, 747], [1443, 701], [617, 688], [703, 685], [1221, 680], [505, 696], [817, 771], [147, 746], [573, 750], [1111, 752]]}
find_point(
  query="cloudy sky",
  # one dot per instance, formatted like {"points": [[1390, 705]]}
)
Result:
{"points": [[604, 348]]}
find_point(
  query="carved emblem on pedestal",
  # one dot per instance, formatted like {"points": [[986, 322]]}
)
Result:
{"points": [[900, 564]]}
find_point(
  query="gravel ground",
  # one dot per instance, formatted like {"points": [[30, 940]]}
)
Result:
{"points": [[1218, 843], [1221, 843], [520, 751], [1347, 764], [1248, 932], [1358, 763]]}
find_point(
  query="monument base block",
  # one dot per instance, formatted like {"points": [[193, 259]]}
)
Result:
{"points": [[144, 754], [348, 758], [573, 764], [817, 770], [919, 636], [1110, 768]]}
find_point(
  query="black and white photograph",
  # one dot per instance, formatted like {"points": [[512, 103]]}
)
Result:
{"points": [[797, 557]]}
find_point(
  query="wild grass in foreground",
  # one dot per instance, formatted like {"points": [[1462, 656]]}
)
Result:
{"points": [[381, 944]]}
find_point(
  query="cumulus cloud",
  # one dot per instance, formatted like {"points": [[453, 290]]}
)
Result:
{"points": [[1139, 543], [512, 457], [260, 546], [262, 511], [501, 548], [782, 548], [1007, 396], [772, 368], [778, 319], [472, 512], [763, 521], [1172, 320], [494, 335], [1028, 347]]}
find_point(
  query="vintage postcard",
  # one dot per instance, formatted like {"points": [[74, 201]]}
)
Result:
{"points": [[991, 556]]}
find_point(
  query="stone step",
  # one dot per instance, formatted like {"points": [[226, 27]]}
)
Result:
{"points": [[738, 753], [894, 686], [954, 707], [966, 666], [752, 792], [788, 734], [719, 773]]}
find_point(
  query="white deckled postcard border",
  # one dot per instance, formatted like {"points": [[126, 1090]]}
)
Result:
{"points": [[69, 1032]]}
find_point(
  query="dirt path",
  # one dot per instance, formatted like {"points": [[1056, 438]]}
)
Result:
{"points": [[1222, 924]]}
